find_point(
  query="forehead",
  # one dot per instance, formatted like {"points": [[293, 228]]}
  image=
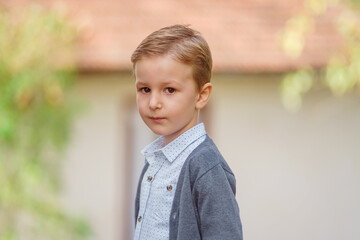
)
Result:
{"points": [[162, 68]]}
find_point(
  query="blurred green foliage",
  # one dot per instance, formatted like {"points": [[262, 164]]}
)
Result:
{"points": [[342, 73], [37, 108]]}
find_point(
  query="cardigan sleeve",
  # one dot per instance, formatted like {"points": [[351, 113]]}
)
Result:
{"points": [[216, 205]]}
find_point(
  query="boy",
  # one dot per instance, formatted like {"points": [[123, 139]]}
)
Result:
{"points": [[186, 190]]}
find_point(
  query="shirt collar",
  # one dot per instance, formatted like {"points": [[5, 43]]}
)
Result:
{"points": [[177, 146]]}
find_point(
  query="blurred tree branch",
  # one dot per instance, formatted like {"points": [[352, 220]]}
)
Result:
{"points": [[37, 108], [342, 73]]}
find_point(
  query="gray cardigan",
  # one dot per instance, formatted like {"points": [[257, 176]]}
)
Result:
{"points": [[204, 205]]}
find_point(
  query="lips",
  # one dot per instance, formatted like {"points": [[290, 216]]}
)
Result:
{"points": [[157, 119]]}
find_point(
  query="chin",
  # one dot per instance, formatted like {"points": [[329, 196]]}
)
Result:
{"points": [[156, 129], [160, 133]]}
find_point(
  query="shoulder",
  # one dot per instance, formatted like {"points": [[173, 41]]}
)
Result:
{"points": [[206, 157]]}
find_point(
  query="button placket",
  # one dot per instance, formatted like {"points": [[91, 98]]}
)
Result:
{"points": [[146, 186]]}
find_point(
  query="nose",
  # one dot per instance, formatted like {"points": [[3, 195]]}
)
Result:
{"points": [[155, 101]]}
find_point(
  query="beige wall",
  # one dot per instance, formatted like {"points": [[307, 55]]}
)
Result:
{"points": [[298, 175], [96, 180]]}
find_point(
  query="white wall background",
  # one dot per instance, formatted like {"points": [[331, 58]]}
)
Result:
{"points": [[96, 182], [298, 175]]}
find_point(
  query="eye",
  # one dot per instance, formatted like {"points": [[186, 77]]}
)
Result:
{"points": [[169, 90], [145, 90]]}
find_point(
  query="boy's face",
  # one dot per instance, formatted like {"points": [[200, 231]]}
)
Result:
{"points": [[166, 96]]}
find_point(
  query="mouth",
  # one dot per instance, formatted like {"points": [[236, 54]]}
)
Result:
{"points": [[157, 119]]}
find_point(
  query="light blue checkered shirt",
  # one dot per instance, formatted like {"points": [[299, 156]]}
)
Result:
{"points": [[158, 185]]}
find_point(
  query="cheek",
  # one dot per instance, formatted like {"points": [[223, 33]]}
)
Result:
{"points": [[141, 103], [182, 106], [141, 99], [190, 100]]}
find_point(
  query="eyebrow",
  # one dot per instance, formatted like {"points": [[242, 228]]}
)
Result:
{"points": [[139, 83], [171, 83], [164, 83]]}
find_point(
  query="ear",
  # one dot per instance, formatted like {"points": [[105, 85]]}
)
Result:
{"points": [[204, 96]]}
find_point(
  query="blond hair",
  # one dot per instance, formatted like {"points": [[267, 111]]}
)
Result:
{"points": [[184, 44]]}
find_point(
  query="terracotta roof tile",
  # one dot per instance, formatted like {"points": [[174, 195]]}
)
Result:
{"points": [[242, 34]]}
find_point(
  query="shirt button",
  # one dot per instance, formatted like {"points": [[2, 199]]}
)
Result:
{"points": [[169, 188], [149, 178], [139, 219]]}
